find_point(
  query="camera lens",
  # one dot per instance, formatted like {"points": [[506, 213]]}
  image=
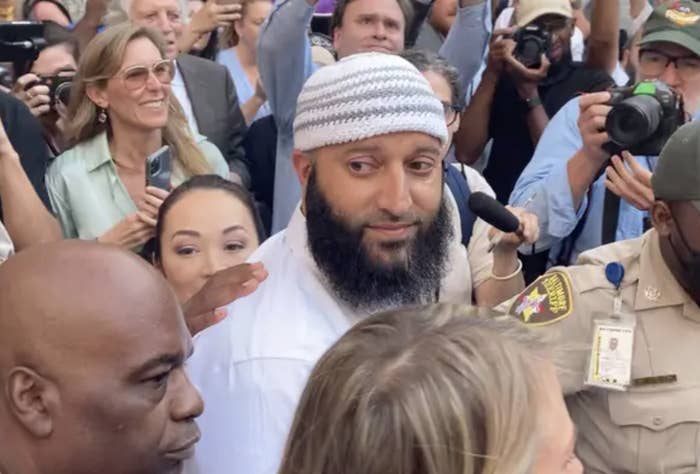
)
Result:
{"points": [[63, 93], [634, 120], [531, 52]]}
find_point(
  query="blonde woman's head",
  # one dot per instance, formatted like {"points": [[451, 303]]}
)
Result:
{"points": [[433, 390], [124, 76]]}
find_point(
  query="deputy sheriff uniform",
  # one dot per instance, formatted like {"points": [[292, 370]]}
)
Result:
{"points": [[650, 423]]}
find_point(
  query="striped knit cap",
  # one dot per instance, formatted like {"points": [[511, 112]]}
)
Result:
{"points": [[364, 96]]}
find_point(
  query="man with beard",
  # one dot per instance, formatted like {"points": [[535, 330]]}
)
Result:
{"points": [[357, 26], [373, 232], [636, 408]]}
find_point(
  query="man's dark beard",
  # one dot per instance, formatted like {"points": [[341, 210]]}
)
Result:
{"points": [[364, 284]]}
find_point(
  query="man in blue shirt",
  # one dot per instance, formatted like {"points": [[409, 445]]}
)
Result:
{"points": [[284, 61], [564, 182]]}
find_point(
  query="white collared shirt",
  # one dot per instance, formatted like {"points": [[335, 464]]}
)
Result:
{"points": [[252, 368], [180, 91]]}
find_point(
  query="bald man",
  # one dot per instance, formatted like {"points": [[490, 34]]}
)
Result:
{"points": [[92, 348]]}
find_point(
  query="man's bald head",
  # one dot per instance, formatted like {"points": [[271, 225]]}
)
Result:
{"points": [[92, 346]]}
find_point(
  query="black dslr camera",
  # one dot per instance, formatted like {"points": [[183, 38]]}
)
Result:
{"points": [[532, 42], [59, 87], [21, 41], [643, 118]]}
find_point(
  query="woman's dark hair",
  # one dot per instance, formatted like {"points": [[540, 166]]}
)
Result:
{"points": [[429, 61], [54, 34], [205, 181]]}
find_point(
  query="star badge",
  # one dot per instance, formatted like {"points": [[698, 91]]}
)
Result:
{"points": [[530, 304]]}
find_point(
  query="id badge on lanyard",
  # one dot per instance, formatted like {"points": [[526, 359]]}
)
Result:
{"points": [[610, 360]]}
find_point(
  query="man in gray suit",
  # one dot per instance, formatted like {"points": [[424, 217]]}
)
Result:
{"points": [[203, 88]]}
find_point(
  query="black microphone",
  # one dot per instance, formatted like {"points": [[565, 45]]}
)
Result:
{"points": [[493, 212]]}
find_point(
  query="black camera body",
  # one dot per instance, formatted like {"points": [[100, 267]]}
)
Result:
{"points": [[643, 117], [532, 42], [59, 88]]}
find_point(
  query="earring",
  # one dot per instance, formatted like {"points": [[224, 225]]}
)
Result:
{"points": [[102, 116]]}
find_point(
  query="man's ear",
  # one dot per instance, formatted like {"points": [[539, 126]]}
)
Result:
{"points": [[97, 96], [337, 33], [32, 400], [302, 165], [661, 217]]}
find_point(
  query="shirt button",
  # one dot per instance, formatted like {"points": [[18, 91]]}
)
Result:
{"points": [[657, 421]]}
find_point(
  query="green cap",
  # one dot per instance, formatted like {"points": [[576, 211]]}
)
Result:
{"points": [[677, 23], [677, 174]]}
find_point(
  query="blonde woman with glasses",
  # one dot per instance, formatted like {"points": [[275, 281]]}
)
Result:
{"points": [[434, 390], [121, 111]]}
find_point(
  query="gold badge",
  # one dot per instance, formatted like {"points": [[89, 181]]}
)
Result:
{"points": [[682, 15], [547, 300]]}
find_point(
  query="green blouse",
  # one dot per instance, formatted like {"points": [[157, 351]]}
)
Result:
{"points": [[86, 193]]}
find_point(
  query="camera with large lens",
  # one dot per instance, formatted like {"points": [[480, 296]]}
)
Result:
{"points": [[532, 42], [21, 41], [643, 117]]}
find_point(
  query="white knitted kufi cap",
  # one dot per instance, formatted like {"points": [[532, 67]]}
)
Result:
{"points": [[363, 96]]}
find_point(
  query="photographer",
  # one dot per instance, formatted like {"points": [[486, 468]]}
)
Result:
{"points": [[45, 87], [529, 76], [565, 181]]}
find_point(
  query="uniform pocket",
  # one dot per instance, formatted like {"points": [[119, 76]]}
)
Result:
{"points": [[663, 424]]}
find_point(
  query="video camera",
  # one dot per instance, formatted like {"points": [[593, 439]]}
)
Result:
{"points": [[532, 42], [643, 118], [21, 41]]}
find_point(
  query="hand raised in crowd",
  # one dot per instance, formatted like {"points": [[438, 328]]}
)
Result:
{"points": [[501, 43], [35, 97], [591, 124], [95, 10], [213, 15], [528, 232], [632, 184], [151, 203], [134, 230], [206, 307]]}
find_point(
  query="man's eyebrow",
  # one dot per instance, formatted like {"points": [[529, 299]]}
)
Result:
{"points": [[427, 149], [163, 359]]}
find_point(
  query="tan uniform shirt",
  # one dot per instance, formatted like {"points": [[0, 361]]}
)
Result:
{"points": [[654, 427]]}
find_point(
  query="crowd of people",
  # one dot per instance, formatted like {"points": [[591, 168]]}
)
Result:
{"points": [[245, 236]]}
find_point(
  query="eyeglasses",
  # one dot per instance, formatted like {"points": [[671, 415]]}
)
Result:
{"points": [[451, 112], [653, 63], [136, 77]]}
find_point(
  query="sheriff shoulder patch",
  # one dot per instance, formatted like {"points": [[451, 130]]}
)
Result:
{"points": [[547, 300]]}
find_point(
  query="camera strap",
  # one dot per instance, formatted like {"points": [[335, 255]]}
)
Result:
{"points": [[611, 217]]}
